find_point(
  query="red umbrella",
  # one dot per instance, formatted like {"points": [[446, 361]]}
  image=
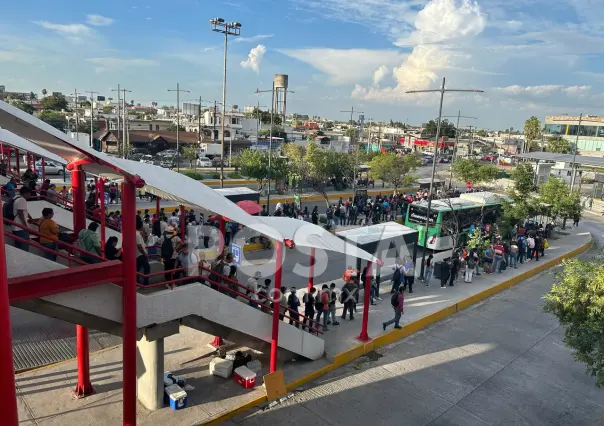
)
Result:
{"points": [[250, 207]]}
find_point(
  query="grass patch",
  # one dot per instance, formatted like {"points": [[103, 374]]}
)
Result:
{"points": [[193, 175]]}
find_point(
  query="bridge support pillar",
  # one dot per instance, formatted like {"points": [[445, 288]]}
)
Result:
{"points": [[150, 373]]}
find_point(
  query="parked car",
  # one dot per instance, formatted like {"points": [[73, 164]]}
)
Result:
{"points": [[204, 162], [50, 168], [168, 152], [168, 162], [488, 157], [147, 159], [217, 160]]}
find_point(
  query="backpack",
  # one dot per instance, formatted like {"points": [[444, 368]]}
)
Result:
{"points": [[318, 303], [396, 277], [410, 272], [8, 209], [167, 250], [394, 300]]}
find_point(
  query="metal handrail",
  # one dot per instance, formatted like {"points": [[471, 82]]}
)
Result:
{"points": [[68, 257]]}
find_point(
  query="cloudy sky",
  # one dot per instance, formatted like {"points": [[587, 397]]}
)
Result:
{"points": [[531, 57]]}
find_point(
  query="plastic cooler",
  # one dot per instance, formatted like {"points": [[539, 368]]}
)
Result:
{"points": [[245, 377], [175, 397], [221, 367]]}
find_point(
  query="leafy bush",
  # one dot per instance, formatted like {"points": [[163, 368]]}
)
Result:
{"points": [[215, 176], [193, 175], [235, 175]]}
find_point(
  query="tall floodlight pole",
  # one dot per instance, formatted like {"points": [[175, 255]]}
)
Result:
{"points": [[233, 29], [574, 167], [125, 125], [270, 144], [77, 119], [442, 91], [456, 141]]}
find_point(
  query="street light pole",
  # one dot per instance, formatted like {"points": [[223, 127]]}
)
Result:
{"points": [[574, 170], [178, 90], [90, 143], [354, 169], [234, 29], [442, 91]]}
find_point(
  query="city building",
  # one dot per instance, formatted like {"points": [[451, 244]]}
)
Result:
{"points": [[591, 137]]}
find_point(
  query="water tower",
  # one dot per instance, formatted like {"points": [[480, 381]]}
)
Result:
{"points": [[281, 82]]}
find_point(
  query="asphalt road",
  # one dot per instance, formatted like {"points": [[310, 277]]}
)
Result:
{"points": [[500, 362]]}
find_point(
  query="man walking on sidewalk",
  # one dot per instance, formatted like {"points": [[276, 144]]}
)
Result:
{"points": [[397, 300]]}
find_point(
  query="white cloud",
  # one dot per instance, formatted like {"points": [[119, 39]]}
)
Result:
{"points": [[444, 20], [254, 58], [99, 20], [345, 66], [420, 69], [380, 74], [65, 29], [117, 64], [253, 39], [543, 90]]}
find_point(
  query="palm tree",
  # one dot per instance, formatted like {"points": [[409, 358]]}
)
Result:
{"points": [[44, 92]]}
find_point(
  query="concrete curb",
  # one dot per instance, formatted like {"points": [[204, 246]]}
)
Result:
{"points": [[408, 329]]}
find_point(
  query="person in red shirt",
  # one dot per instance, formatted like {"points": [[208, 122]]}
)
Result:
{"points": [[397, 300], [499, 251], [349, 274]]}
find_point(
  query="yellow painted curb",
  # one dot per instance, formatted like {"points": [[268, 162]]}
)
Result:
{"points": [[408, 329], [252, 247]]}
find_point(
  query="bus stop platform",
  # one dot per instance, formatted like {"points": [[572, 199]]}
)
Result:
{"points": [[44, 395]]}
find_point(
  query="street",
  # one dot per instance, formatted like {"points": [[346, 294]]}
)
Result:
{"points": [[502, 361]]}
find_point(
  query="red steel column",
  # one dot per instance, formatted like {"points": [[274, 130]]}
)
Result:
{"points": [[276, 306], [8, 397], [28, 160], [17, 162], [311, 269], [84, 387], [17, 157], [182, 223], [364, 337], [129, 301], [100, 188], [222, 229]]}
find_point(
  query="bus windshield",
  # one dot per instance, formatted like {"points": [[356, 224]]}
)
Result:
{"points": [[417, 214]]}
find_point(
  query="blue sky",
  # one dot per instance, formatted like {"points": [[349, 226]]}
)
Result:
{"points": [[531, 57]]}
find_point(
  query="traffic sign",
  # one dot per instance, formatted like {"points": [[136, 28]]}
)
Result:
{"points": [[236, 252]]}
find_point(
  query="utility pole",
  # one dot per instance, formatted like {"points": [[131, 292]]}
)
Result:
{"points": [[91, 116], [178, 90], [119, 109], [574, 166], [199, 120], [456, 142], [270, 144], [442, 92], [125, 124], [77, 119], [356, 148]]}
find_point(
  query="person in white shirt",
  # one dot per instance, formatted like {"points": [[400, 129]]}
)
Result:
{"points": [[142, 259], [252, 285], [174, 220], [21, 217]]}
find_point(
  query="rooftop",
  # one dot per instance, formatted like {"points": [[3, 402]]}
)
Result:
{"points": [[373, 233], [581, 160]]}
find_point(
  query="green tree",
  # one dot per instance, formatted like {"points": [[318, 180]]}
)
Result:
{"points": [[563, 203], [470, 170], [350, 132], [171, 127], [481, 133], [523, 176], [254, 164], [107, 109], [532, 132], [295, 155], [28, 108], [446, 129], [577, 300], [54, 118], [190, 153], [44, 92], [396, 170], [559, 145], [324, 165], [54, 102], [84, 127]]}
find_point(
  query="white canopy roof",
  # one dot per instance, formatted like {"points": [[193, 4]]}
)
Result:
{"points": [[381, 231], [159, 181], [305, 234], [15, 141]]}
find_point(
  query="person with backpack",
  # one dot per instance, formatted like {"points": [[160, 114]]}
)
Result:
{"points": [[409, 274], [347, 298], [309, 308], [16, 210], [470, 266], [333, 298], [397, 277], [293, 303], [397, 301], [319, 306], [170, 243]]}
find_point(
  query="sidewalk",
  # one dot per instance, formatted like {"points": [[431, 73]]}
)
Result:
{"points": [[44, 395]]}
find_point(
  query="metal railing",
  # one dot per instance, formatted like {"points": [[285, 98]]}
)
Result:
{"points": [[217, 281]]}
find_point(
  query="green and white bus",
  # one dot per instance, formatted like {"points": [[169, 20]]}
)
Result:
{"points": [[467, 210]]}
